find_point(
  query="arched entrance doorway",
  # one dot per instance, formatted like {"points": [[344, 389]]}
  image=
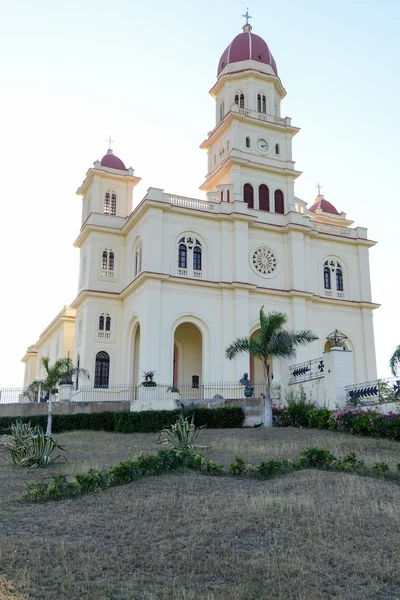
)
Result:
{"points": [[188, 355], [136, 354]]}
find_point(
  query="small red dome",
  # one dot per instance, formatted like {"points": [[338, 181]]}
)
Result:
{"points": [[324, 205], [247, 46], [112, 162]]}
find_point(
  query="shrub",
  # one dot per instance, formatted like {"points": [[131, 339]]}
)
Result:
{"points": [[380, 468], [348, 463], [316, 457], [28, 445], [299, 407], [181, 435]]}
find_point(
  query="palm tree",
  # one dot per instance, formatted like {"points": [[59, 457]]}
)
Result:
{"points": [[61, 372], [273, 340], [394, 362]]}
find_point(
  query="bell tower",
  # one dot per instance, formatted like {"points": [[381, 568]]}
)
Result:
{"points": [[250, 148]]}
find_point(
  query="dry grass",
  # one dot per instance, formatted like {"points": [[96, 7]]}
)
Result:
{"points": [[310, 535]]}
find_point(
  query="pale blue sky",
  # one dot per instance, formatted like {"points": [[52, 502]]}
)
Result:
{"points": [[72, 72]]}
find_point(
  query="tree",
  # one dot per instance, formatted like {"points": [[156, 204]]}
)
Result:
{"points": [[60, 373], [273, 340], [394, 362]]}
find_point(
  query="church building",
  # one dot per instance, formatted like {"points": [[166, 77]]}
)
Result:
{"points": [[167, 285]]}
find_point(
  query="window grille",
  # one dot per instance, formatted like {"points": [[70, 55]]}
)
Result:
{"points": [[113, 203], [327, 278], [111, 261], [182, 256], [107, 203], [247, 142], [101, 323], [102, 370], [197, 258], [241, 101], [259, 102], [104, 260], [264, 104]]}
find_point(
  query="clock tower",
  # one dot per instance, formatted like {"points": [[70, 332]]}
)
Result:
{"points": [[250, 147]]}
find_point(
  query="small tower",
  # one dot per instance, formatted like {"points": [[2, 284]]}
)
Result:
{"points": [[250, 148], [107, 188], [106, 205]]}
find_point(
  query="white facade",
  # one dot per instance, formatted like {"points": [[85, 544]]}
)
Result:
{"points": [[145, 308]]}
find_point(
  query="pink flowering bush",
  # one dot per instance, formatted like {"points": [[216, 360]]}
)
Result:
{"points": [[364, 421]]}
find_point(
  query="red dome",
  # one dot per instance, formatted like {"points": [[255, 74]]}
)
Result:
{"points": [[112, 162], [324, 205], [247, 46]]}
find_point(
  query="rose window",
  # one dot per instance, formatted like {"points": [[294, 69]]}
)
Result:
{"points": [[264, 260]]}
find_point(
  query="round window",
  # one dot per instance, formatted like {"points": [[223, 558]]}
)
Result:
{"points": [[263, 261]]}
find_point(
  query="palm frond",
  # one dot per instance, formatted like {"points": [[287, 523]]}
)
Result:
{"points": [[270, 324], [249, 345], [303, 337], [394, 362]]}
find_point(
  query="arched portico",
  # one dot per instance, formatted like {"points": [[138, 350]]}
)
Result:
{"points": [[188, 355], [132, 354], [189, 348]]}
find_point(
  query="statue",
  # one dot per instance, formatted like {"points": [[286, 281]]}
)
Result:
{"points": [[248, 388]]}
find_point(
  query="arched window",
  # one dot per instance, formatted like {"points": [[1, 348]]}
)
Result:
{"points": [[248, 142], [102, 370], [138, 258], [248, 195], [279, 202], [333, 269], [182, 256], [190, 257], [111, 261], [113, 203], [263, 197], [259, 102], [104, 260], [197, 258], [228, 196], [221, 111], [277, 149], [104, 326], [264, 104], [222, 195], [107, 203], [327, 278], [241, 101], [339, 280], [107, 263]]}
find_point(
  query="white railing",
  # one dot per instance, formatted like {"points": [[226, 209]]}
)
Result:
{"points": [[324, 228], [107, 274], [198, 274], [104, 335], [182, 272], [191, 203]]}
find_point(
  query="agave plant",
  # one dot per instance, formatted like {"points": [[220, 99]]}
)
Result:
{"points": [[182, 435], [28, 446]]}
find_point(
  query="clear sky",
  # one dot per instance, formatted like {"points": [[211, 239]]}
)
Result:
{"points": [[72, 72]]}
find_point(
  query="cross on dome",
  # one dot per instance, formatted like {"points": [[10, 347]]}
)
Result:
{"points": [[247, 16], [319, 188], [110, 141]]}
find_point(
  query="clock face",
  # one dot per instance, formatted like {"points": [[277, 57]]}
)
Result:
{"points": [[262, 145]]}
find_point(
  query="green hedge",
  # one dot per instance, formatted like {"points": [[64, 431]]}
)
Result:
{"points": [[96, 480], [131, 422]]}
